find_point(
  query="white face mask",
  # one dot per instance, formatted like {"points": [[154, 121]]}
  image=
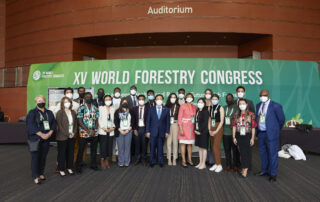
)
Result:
{"points": [[141, 102], [200, 105], [189, 99], [159, 102], [208, 96], [133, 91], [243, 107], [67, 105], [181, 96], [69, 95], [117, 94], [240, 95], [264, 98], [173, 100], [108, 102]]}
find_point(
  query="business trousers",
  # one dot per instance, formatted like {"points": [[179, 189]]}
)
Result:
{"points": [[216, 144], [93, 150], [268, 150], [106, 144], [124, 148], [230, 148], [245, 149], [38, 159], [65, 153], [141, 145], [156, 149], [172, 141]]}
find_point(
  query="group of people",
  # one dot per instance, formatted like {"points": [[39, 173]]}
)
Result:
{"points": [[127, 125]]}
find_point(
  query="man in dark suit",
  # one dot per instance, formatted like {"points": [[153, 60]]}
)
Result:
{"points": [[141, 142], [99, 100], [241, 91], [151, 102], [270, 119], [132, 99], [157, 129]]}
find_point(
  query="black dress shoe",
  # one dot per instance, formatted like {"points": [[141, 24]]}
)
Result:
{"points": [[261, 174], [136, 163], [79, 170], [151, 165], [94, 168], [272, 178], [161, 165]]}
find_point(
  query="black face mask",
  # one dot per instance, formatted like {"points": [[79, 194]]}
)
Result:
{"points": [[100, 95], [41, 105], [229, 102], [124, 105], [88, 100], [81, 95]]}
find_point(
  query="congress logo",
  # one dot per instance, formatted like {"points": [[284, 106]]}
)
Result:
{"points": [[36, 75]]}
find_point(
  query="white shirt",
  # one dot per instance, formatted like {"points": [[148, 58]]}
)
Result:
{"points": [[116, 102], [103, 119], [263, 127], [69, 115], [55, 109]]}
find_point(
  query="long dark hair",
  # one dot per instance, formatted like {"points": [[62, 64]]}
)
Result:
{"points": [[168, 103], [120, 107], [204, 102], [238, 113]]}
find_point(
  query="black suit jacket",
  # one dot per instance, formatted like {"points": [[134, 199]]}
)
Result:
{"points": [[130, 102], [136, 114]]}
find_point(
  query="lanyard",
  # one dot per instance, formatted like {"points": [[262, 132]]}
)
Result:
{"points": [[230, 112], [215, 111], [197, 116], [174, 110], [41, 117]]}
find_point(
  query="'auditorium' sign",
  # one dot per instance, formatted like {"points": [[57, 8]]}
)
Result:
{"points": [[169, 10]]}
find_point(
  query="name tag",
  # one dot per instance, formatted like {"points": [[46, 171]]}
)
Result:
{"points": [[124, 124], [109, 124], [213, 123], [227, 120], [192, 119], [90, 123], [242, 130], [141, 123], [262, 119], [197, 126], [70, 128], [46, 125], [171, 120]]}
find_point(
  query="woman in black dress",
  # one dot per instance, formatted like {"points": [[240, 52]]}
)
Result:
{"points": [[202, 132]]}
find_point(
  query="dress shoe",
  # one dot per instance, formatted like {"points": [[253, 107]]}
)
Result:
{"points": [[103, 164], [161, 165], [235, 169], [79, 170], [37, 181], [228, 168], [272, 178], [151, 165], [94, 168], [136, 163], [106, 162], [261, 174]]}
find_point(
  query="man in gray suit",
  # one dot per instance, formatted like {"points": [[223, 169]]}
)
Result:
{"points": [[132, 99]]}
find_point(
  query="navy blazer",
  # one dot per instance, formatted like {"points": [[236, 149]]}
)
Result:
{"points": [[274, 120], [136, 114], [156, 127]]}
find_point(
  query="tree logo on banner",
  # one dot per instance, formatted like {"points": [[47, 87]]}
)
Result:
{"points": [[36, 75]]}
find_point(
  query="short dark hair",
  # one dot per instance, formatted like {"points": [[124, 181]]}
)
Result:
{"points": [[100, 89], [241, 87], [203, 100], [105, 98], [141, 95], [66, 89], [191, 95], [216, 95], [229, 94], [133, 86], [116, 88], [88, 93], [150, 91], [81, 88], [182, 89], [159, 95]]}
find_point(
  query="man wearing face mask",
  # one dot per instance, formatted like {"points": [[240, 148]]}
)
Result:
{"points": [[151, 102], [181, 93], [132, 99], [116, 98], [68, 92], [99, 100], [241, 91], [270, 119], [157, 129], [80, 99], [88, 116], [140, 113]]}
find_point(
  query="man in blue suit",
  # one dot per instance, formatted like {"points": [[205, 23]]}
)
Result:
{"points": [[157, 129], [270, 119]]}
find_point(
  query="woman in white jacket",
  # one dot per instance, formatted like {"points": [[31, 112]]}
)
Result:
{"points": [[106, 131]]}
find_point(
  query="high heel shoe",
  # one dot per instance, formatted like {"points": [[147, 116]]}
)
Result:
{"points": [[190, 163], [37, 181], [197, 166], [184, 165], [202, 167]]}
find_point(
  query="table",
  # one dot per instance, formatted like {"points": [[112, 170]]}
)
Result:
{"points": [[13, 132], [307, 142]]}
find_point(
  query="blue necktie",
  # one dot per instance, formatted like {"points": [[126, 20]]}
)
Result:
{"points": [[159, 112], [134, 101]]}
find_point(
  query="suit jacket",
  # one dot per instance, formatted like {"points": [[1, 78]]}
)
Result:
{"points": [[156, 127], [274, 120], [250, 106], [129, 100], [136, 114], [63, 124], [77, 100]]}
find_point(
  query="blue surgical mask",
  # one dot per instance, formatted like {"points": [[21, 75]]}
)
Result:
{"points": [[150, 97], [214, 102]]}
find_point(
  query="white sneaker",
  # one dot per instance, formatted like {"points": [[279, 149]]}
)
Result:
{"points": [[218, 169], [213, 167]]}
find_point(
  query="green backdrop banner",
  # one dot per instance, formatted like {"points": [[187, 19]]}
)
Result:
{"points": [[294, 84]]}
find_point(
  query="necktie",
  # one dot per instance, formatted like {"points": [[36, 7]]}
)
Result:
{"points": [[140, 113], [262, 109], [159, 112], [134, 101]]}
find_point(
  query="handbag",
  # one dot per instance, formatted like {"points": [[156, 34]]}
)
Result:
{"points": [[33, 145]]}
